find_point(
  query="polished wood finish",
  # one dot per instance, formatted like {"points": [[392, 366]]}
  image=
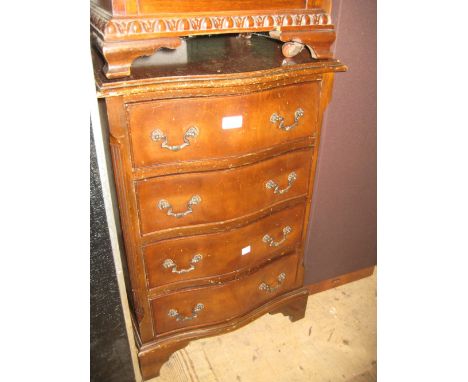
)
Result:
{"points": [[152, 360], [224, 195], [153, 354], [235, 67], [257, 131], [222, 253], [318, 41], [120, 151], [236, 209], [222, 226], [227, 300], [340, 280], [142, 22], [119, 55]]}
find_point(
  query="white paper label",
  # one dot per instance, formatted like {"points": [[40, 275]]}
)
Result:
{"points": [[245, 250], [232, 122]]}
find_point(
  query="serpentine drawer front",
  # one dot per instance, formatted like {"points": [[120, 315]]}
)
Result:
{"points": [[214, 169], [217, 127], [176, 201], [198, 259], [226, 301]]}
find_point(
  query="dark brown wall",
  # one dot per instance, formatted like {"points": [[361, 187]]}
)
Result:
{"points": [[342, 233]]}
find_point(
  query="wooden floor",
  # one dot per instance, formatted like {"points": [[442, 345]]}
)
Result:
{"points": [[336, 341]]}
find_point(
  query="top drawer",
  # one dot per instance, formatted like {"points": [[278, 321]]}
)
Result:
{"points": [[190, 129]]}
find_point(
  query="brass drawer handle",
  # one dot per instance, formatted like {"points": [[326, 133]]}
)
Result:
{"points": [[158, 135], [269, 240], [169, 263], [271, 184], [174, 313], [267, 288], [163, 204], [277, 118]]}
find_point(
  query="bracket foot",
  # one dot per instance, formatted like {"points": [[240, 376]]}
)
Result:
{"points": [[119, 55]]}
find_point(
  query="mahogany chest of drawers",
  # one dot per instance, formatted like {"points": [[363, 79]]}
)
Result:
{"points": [[214, 150]]}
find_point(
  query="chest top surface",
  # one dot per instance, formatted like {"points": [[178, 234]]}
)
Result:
{"points": [[213, 59]]}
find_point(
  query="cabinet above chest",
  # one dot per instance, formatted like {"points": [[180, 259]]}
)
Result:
{"points": [[124, 30]]}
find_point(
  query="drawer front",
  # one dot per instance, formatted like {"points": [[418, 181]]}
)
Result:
{"points": [[197, 198], [184, 261], [214, 304], [192, 129]]}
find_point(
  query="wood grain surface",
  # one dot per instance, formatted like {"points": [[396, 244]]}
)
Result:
{"points": [[148, 25], [224, 195], [254, 130], [224, 301], [250, 187], [223, 255]]}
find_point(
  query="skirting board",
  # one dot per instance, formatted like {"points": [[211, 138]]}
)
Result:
{"points": [[340, 280]]}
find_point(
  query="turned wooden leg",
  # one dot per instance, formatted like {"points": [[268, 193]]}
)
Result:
{"points": [[295, 309], [318, 41], [291, 49], [152, 360], [119, 55]]}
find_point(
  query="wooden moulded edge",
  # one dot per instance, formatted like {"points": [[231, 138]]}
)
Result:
{"points": [[229, 162], [212, 280], [257, 312], [232, 83], [157, 23], [220, 226]]}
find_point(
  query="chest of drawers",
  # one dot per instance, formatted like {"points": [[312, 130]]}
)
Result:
{"points": [[214, 165]]}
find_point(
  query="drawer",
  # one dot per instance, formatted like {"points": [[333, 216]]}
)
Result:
{"points": [[177, 201], [183, 261], [214, 304], [194, 129]]}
